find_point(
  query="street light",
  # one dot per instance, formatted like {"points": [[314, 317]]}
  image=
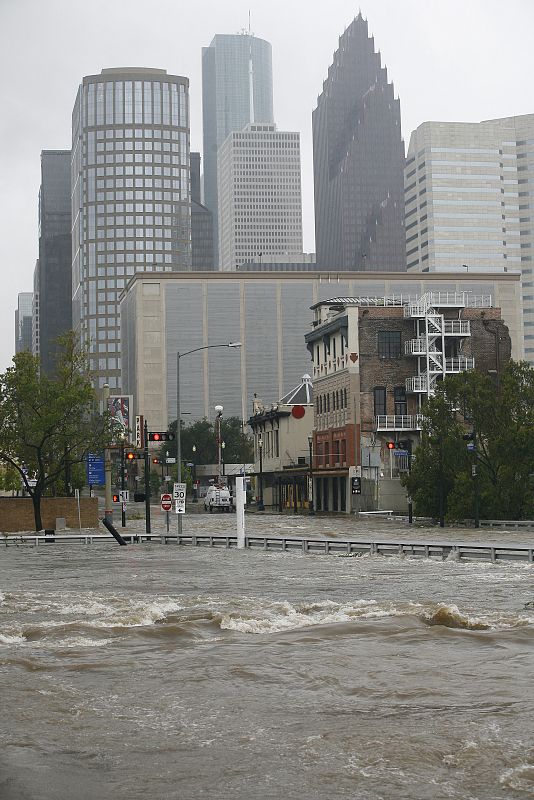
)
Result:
{"points": [[261, 507], [195, 495], [310, 479], [178, 409], [219, 411]]}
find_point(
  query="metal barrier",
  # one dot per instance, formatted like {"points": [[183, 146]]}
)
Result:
{"points": [[346, 547]]}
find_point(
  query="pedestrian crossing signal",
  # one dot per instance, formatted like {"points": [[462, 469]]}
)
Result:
{"points": [[115, 498]]}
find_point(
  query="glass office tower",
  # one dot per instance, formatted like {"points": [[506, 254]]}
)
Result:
{"points": [[131, 205], [358, 161], [237, 88]]}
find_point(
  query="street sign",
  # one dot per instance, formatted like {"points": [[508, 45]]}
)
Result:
{"points": [[166, 502], [179, 497], [95, 469], [124, 496], [401, 453], [139, 431], [167, 478], [170, 461], [471, 447]]}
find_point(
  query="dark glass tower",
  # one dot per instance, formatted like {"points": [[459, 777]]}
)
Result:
{"points": [[201, 223], [358, 158], [53, 273]]}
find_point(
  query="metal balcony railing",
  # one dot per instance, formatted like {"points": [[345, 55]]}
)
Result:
{"points": [[459, 364], [418, 347], [457, 327], [417, 384], [397, 422]]}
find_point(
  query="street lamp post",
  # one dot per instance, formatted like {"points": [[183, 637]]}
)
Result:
{"points": [[223, 445], [310, 479], [195, 492], [178, 409], [261, 507]]}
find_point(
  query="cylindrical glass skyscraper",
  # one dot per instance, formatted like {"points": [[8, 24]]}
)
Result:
{"points": [[131, 201]]}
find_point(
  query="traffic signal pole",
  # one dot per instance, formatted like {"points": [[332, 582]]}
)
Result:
{"points": [[147, 481], [123, 486]]}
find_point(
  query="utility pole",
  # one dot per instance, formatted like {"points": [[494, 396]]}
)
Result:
{"points": [[108, 507]]}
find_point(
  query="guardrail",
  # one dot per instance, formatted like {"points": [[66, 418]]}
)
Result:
{"points": [[346, 547]]}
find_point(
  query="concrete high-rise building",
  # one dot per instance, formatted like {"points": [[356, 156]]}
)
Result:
{"points": [[260, 204], [131, 204], [53, 271], [202, 257], [23, 322], [237, 88], [470, 201], [358, 161]]}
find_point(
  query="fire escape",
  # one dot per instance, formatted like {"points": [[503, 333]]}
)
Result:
{"points": [[433, 332]]}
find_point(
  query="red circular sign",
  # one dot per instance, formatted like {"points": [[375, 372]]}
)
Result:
{"points": [[166, 502], [298, 411]]}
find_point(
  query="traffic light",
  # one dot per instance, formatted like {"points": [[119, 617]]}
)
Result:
{"points": [[160, 436], [156, 461], [115, 498], [130, 456], [390, 445]]}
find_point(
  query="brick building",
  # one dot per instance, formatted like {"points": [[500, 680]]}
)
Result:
{"points": [[375, 362]]}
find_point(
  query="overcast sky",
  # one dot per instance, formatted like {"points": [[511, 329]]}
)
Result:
{"points": [[462, 60]]}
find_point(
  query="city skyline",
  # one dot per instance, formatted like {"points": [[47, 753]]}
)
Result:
{"points": [[414, 39]]}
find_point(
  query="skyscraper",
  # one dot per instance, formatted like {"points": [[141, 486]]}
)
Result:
{"points": [[23, 322], [358, 159], [237, 88], [468, 201], [53, 271], [202, 257], [259, 195], [131, 200]]}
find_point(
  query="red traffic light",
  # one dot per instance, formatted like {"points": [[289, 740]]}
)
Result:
{"points": [[115, 498], [390, 445], [130, 456], [156, 461], [160, 436]]}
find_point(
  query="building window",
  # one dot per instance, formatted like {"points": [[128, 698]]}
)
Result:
{"points": [[380, 400], [399, 395], [389, 344]]}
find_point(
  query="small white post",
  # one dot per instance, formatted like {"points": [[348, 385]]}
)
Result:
{"points": [[77, 493], [240, 498]]}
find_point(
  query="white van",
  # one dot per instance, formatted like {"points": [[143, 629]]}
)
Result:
{"points": [[218, 498]]}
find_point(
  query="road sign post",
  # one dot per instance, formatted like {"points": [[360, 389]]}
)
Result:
{"points": [[166, 504], [178, 494]]}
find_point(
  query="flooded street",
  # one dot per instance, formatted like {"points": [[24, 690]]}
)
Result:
{"points": [[179, 672]]}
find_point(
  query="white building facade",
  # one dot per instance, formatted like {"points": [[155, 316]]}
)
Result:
{"points": [[259, 195], [469, 200]]}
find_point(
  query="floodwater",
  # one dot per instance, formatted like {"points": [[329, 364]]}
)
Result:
{"points": [[157, 671]]}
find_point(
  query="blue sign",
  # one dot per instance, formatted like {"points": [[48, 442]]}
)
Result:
{"points": [[471, 447], [95, 469]]}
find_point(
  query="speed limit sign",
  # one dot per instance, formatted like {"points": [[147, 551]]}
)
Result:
{"points": [[179, 497]]}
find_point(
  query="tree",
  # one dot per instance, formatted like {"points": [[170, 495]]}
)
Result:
{"points": [[238, 446], [48, 424], [499, 415]]}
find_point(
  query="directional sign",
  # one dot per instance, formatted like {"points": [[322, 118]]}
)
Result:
{"points": [[170, 461], [95, 469], [166, 502], [179, 497], [124, 496]]}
